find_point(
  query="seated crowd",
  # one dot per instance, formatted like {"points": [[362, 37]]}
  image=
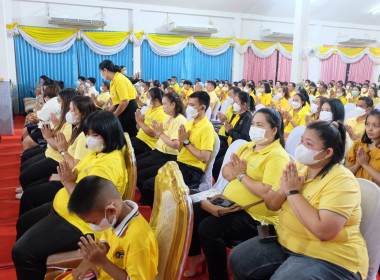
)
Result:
{"points": [[73, 174]]}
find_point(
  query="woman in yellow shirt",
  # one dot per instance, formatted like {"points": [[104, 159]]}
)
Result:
{"points": [[363, 156], [355, 94], [281, 103], [296, 116], [319, 223], [51, 228], [315, 109], [373, 94], [251, 173], [312, 89], [146, 139], [266, 92], [341, 95]]}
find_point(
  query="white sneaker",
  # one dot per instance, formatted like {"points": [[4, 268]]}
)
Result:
{"points": [[19, 195], [19, 190]]}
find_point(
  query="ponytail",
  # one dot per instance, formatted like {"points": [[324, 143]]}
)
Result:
{"points": [[108, 64], [252, 107]]}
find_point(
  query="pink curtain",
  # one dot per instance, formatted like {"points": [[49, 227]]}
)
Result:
{"points": [[258, 69], [333, 68], [284, 68], [361, 70]]}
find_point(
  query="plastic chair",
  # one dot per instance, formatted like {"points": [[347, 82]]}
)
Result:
{"points": [[131, 165], [311, 98], [216, 109], [224, 107], [258, 107], [143, 109], [349, 107], [377, 106], [294, 139], [221, 183], [206, 180], [370, 226], [171, 221], [208, 113], [350, 115]]}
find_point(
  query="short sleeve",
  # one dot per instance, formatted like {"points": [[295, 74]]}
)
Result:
{"points": [[80, 148], [302, 121], [351, 156], [273, 169], [176, 124], [207, 139], [121, 89]]}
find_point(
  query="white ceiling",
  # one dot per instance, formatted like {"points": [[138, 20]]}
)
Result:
{"points": [[348, 11]]}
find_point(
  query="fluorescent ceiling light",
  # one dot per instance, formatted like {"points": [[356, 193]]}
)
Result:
{"points": [[376, 10]]}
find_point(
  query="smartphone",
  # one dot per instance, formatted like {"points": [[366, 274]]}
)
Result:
{"points": [[223, 202]]}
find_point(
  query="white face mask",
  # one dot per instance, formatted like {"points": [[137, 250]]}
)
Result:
{"points": [[359, 111], [78, 83], [364, 89], [104, 224], [306, 156], [339, 94], [220, 85], [236, 107], [148, 103], [87, 84], [347, 87], [261, 90], [313, 108], [94, 144], [124, 72], [191, 112], [229, 100], [326, 116], [312, 89], [71, 119], [318, 85], [58, 107], [257, 134], [279, 95], [296, 104], [225, 88], [101, 89]]}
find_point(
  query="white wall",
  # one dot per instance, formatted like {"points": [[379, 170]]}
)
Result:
{"points": [[122, 16]]}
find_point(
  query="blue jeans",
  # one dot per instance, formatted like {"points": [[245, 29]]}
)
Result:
{"points": [[253, 259]]}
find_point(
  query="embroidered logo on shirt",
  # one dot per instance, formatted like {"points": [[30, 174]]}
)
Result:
{"points": [[119, 254]]}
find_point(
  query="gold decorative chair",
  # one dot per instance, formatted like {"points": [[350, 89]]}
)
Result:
{"points": [[130, 163], [171, 221]]}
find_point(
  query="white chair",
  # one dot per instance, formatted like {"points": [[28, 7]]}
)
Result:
{"points": [[143, 109], [294, 139], [216, 109], [206, 180], [370, 226], [224, 107], [208, 113], [311, 98], [377, 106], [349, 107], [349, 115], [258, 107], [221, 183]]}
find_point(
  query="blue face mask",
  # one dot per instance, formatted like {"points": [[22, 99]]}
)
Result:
{"points": [[181, 85]]}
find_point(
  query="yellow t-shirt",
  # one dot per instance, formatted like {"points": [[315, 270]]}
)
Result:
{"points": [[157, 114], [343, 99], [299, 118], [213, 99], [229, 114], [291, 94], [358, 127], [202, 136], [66, 129], [376, 101], [105, 97], [338, 191], [110, 166], [79, 148], [176, 87], [266, 99], [170, 130], [374, 159], [233, 123], [264, 166], [121, 89], [282, 104], [187, 93], [142, 98]]}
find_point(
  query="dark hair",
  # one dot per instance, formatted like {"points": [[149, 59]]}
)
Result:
{"points": [[323, 85], [375, 91], [66, 95], [174, 77], [44, 78], [81, 78], [197, 80], [244, 97], [303, 91], [236, 90], [156, 94], [203, 98], [343, 90], [331, 137], [156, 83], [85, 106], [312, 84], [293, 84], [304, 98], [252, 87], [212, 83], [91, 192], [174, 98], [274, 117], [365, 138], [165, 84], [107, 125], [122, 66], [108, 64], [187, 82], [307, 80], [51, 88], [368, 101], [267, 87], [106, 84], [337, 109], [61, 85], [323, 99], [286, 91], [92, 80]]}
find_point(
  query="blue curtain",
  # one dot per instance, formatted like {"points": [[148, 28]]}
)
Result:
{"points": [[32, 63], [189, 64], [89, 61]]}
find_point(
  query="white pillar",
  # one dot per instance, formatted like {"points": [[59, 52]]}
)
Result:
{"points": [[237, 61], [301, 28], [7, 53], [137, 26]]}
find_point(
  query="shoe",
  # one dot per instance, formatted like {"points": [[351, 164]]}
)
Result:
{"points": [[192, 271], [19, 190], [19, 195]]}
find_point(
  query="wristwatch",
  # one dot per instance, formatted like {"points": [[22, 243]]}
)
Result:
{"points": [[240, 177], [292, 192], [63, 153], [186, 142]]}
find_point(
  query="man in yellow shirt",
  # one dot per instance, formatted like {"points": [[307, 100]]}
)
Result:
{"points": [[210, 87], [322, 91], [141, 100], [104, 97], [186, 92], [174, 84], [128, 248], [292, 89], [356, 126]]}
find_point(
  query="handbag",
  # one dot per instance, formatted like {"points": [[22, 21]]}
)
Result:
{"points": [[219, 205]]}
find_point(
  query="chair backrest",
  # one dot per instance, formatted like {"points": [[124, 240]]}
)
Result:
{"points": [[311, 98], [258, 107], [370, 226], [224, 107], [143, 109], [130, 163], [171, 221], [349, 115], [377, 106], [208, 113], [206, 180], [216, 109], [294, 139], [349, 107], [221, 183]]}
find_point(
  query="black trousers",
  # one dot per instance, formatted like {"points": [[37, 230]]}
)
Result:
{"points": [[41, 232], [127, 118], [39, 168], [38, 194], [191, 176], [139, 146], [211, 233], [31, 152]]}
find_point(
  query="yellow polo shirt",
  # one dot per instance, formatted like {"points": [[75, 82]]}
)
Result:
{"points": [[343, 99], [229, 114], [263, 166], [213, 99], [291, 94], [374, 159], [142, 98], [105, 97], [157, 114], [66, 129], [266, 99], [187, 93], [338, 191], [376, 101], [202, 136], [233, 123], [171, 130], [78, 149], [282, 104], [121, 89], [176, 87], [299, 118], [358, 127], [110, 166]]}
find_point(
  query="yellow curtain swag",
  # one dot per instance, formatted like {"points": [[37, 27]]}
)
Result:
{"points": [[107, 38], [48, 35]]}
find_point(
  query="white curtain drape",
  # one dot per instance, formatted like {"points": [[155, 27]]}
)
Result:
{"points": [[348, 59], [101, 49], [262, 53]]}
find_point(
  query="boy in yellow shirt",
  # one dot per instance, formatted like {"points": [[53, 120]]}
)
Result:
{"points": [[128, 248]]}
